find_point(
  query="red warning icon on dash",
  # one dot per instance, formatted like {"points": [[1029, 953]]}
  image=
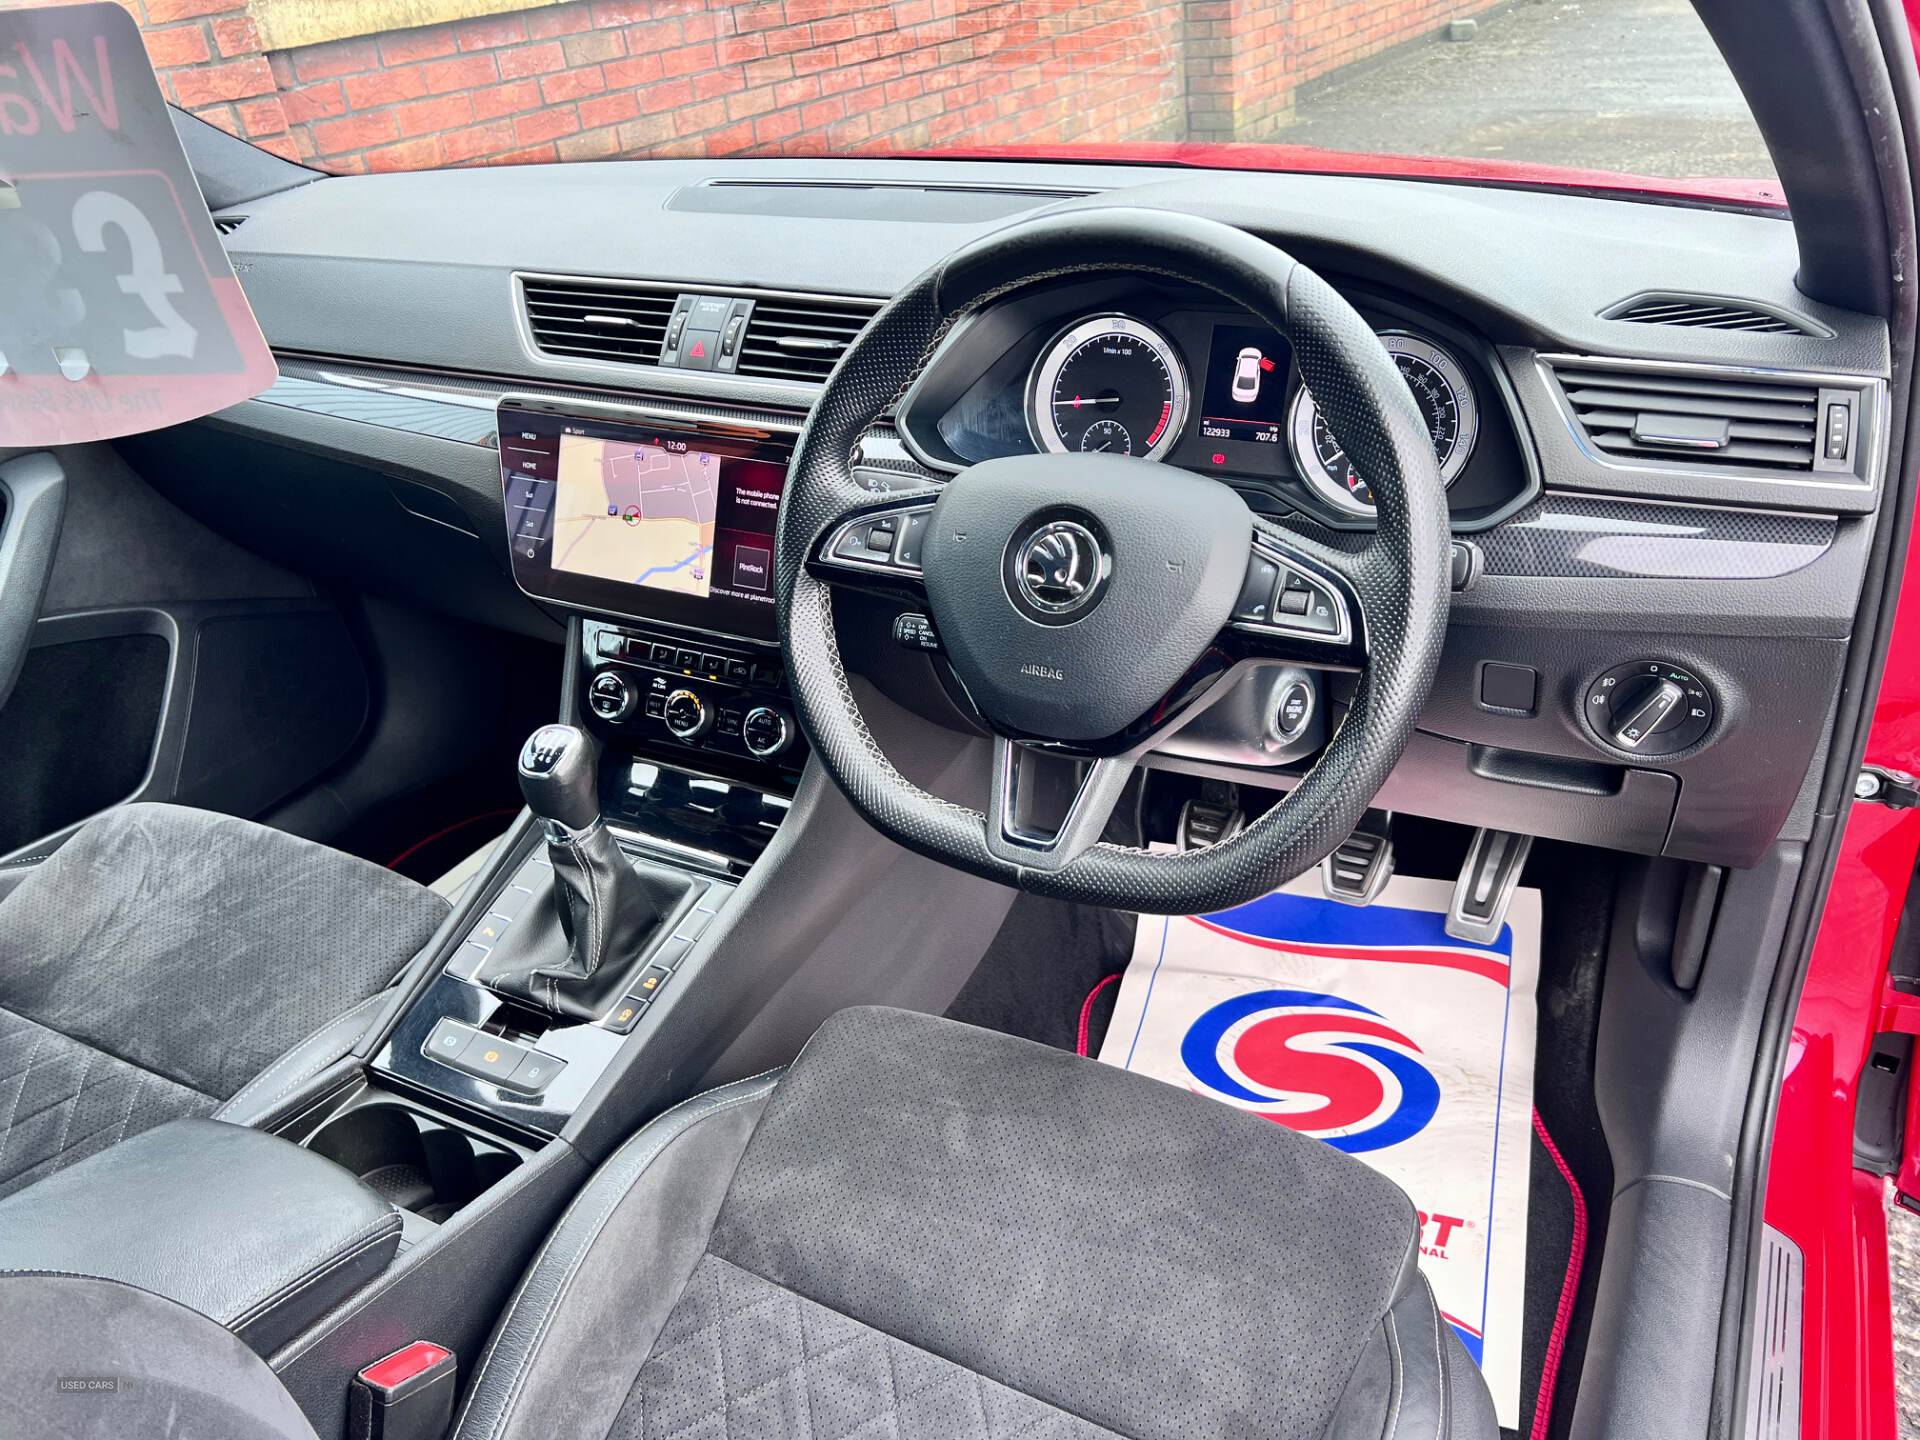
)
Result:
{"points": [[699, 351]]}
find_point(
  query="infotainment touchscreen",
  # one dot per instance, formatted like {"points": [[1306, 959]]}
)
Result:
{"points": [[657, 523]]}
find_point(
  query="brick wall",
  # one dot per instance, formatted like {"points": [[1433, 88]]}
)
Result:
{"points": [[596, 79]]}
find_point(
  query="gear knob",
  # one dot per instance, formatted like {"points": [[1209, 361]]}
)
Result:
{"points": [[559, 775]]}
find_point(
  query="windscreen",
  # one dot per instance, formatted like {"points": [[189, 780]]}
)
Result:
{"points": [[1615, 87]]}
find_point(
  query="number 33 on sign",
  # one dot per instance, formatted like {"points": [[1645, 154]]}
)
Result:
{"points": [[118, 310]]}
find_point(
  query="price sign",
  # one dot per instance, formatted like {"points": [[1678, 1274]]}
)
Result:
{"points": [[118, 310]]}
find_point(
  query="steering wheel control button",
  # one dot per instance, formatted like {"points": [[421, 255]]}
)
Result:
{"points": [[535, 1072], [1509, 687], [1257, 591], [913, 533], [1301, 604], [765, 732], [610, 696], [915, 632], [1650, 707], [687, 715]]}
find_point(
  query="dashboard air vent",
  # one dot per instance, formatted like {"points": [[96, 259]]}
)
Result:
{"points": [[1704, 312], [800, 338], [1707, 419], [227, 224], [594, 320]]}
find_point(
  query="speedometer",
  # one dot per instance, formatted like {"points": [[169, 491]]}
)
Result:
{"points": [[1108, 384], [1441, 390]]}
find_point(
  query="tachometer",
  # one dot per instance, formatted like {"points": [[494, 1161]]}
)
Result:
{"points": [[1446, 402], [1108, 384]]}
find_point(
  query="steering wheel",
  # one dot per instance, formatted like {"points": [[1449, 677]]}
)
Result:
{"points": [[1091, 604]]}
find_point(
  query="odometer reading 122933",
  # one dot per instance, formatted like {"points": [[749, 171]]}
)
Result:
{"points": [[1110, 384]]}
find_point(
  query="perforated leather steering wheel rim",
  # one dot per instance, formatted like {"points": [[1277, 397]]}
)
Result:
{"points": [[1399, 580]]}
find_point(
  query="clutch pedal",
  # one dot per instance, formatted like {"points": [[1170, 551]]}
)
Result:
{"points": [[1359, 868], [1485, 888]]}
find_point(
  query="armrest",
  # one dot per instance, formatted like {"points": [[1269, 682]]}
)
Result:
{"points": [[244, 1227]]}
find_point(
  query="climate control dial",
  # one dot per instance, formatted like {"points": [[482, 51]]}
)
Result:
{"points": [[766, 731], [687, 715], [1650, 707], [610, 696]]}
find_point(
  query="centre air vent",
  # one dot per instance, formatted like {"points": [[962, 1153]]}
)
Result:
{"points": [[1703, 418], [596, 320], [1708, 312], [801, 338]]}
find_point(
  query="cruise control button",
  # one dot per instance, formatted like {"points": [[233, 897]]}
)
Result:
{"points": [[535, 1072], [448, 1039], [490, 1057]]}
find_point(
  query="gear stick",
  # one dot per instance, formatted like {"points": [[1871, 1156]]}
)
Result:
{"points": [[606, 907]]}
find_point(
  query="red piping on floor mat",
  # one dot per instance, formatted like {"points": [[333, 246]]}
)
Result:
{"points": [[1569, 1287], [1086, 1009], [442, 834]]}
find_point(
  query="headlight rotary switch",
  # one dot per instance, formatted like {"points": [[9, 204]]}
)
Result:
{"points": [[1650, 707]]}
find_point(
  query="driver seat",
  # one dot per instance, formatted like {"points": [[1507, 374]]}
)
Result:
{"points": [[925, 1230]]}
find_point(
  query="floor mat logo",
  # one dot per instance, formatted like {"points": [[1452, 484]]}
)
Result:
{"points": [[1315, 1063]]}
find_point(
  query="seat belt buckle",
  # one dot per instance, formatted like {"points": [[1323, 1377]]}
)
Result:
{"points": [[407, 1396]]}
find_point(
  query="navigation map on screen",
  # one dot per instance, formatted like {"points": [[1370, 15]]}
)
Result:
{"points": [[643, 514]]}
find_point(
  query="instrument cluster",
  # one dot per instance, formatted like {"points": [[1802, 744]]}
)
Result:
{"points": [[1211, 391]]}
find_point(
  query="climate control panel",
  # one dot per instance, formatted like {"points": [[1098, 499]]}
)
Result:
{"points": [[727, 701]]}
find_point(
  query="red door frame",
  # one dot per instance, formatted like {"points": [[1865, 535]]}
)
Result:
{"points": [[1835, 1213]]}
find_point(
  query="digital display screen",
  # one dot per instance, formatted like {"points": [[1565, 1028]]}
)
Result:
{"points": [[666, 516], [1246, 390], [656, 524]]}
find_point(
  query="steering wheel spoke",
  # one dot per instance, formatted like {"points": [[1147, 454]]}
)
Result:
{"points": [[1014, 830]]}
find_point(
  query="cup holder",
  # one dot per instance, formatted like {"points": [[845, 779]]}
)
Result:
{"points": [[412, 1160]]}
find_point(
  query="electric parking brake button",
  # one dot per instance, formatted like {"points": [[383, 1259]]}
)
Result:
{"points": [[490, 1057]]}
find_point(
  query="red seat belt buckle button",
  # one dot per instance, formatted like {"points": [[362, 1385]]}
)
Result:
{"points": [[407, 1396]]}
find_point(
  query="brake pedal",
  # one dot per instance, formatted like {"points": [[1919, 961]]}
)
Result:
{"points": [[1485, 888], [1214, 816], [1359, 868]]}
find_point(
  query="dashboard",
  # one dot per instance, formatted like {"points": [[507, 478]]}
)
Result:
{"points": [[1134, 369], [1665, 464]]}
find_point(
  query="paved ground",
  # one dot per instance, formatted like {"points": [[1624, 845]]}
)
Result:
{"points": [[1903, 1245], [1632, 85]]}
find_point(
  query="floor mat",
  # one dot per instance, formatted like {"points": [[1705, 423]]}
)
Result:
{"points": [[1375, 1031]]}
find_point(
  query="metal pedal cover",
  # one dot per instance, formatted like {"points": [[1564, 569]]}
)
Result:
{"points": [[1203, 824], [1486, 885], [1358, 870]]}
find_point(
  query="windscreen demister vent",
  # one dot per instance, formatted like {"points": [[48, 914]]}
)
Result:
{"points": [[1708, 419], [227, 224], [1705, 312], [596, 320], [796, 338]]}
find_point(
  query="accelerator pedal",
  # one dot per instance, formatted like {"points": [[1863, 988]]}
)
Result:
{"points": [[1486, 885], [1358, 870]]}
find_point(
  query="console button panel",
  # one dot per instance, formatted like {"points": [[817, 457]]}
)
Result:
{"points": [[642, 686]]}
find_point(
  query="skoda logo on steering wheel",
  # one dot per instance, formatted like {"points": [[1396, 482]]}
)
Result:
{"points": [[1057, 570]]}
